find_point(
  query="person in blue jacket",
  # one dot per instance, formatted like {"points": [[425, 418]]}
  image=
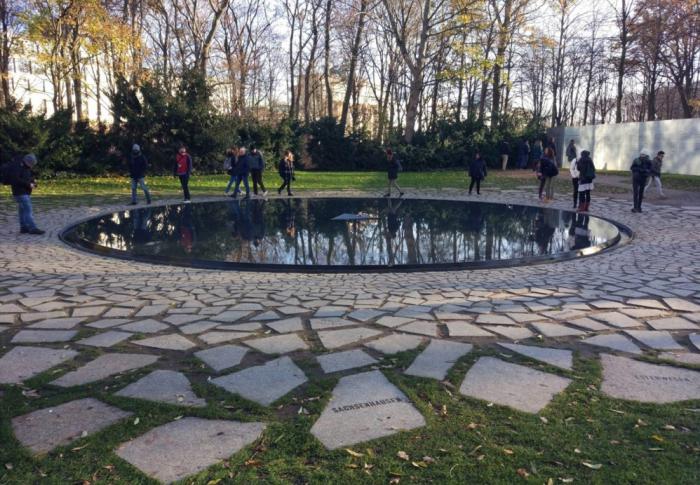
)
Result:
{"points": [[241, 170], [137, 171]]}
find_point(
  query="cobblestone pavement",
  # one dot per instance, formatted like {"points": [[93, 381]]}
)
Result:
{"points": [[56, 303]]}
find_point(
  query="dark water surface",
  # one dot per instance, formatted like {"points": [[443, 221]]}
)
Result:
{"points": [[340, 234]]}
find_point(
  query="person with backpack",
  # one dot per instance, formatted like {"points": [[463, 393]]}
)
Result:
{"points": [[393, 169], [18, 174], [641, 170], [229, 164], [286, 171], [257, 165], [547, 171], [137, 172], [183, 170], [586, 169], [241, 170], [477, 173]]}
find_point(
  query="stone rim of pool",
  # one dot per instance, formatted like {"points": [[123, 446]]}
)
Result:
{"points": [[624, 236]]}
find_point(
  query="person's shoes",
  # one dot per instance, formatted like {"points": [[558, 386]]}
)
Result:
{"points": [[400, 194], [234, 195], [133, 203], [247, 196], [36, 231], [279, 191], [187, 201], [264, 193], [289, 194], [23, 230], [148, 202], [470, 193], [386, 195], [663, 196], [636, 210]]}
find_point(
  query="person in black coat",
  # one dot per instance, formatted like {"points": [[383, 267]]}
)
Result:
{"points": [[392, 170], [257, 166], [641, 170], [477, 173], [241, 170], [286, 171], [137, 171], [19, 175]]}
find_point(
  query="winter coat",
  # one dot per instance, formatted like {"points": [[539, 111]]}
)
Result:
{"points": [[21, 178], [505, 148], [229, 164], [536, 152], [242, 167], [641, 167], [286, 169], [548, 168], [656, 166], [586, 169], [257, 162], [137, 166], [477, 169], [183, 164], [571, 153]]}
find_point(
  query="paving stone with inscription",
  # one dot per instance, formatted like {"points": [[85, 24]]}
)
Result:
{"points": [[614, 341], [465, 329], [105, 339], [108, 322], [23, 362], [327, 323], [266, 383], [588, 324], [45, 429], [561, 358], [164, 386], [672, 323], [182, 448], [437, 359], [331, 311], [512, 385], [278, 344], [494, 319], [166, 342], [364, 407], [182, 319], [223, 357], [392, 344], [104, 366], [333, 339], [349, 359], [659, 340], [197, 327], [630, 379], [42, 336]]}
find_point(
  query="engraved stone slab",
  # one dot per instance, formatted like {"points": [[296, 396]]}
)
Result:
{"points": [[40, 336], [182, 448], [364, 407], [166, 342], [655, 339], [164, 386], [513, 385], [625, 378], [104, 366], [437, 359], [326, 323], [392, 344], [220, 358], [108, 322], [106, 339], [197, 327], [348, 359], [557, 357], [21, 363], [614, 341], [278, 344], [493, 319], [266, 383], [365, 314], [287, 325], [43, 430], [588, 324], [183, 318], [333, 339]]}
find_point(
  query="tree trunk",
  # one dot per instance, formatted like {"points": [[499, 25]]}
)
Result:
{"points": [[354, 53], [327, 59]]}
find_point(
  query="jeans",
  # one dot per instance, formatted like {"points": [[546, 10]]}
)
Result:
{"points": [[574, 183], [638, 183], [504, 161], [392, 183], [476, 181], [242, 178], [657, 182], [24, 206], [286, 182], [257, 180], [140, 183], [185, 183], [585, 197], [549, 188], [231, 180]]}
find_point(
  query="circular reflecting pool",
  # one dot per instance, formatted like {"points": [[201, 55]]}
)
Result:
{"points": [[344, 234]]}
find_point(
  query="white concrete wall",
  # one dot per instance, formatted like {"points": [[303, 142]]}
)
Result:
{"points": [[614, 146]]}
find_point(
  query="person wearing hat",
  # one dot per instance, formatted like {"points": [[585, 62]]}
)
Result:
{"points": [[137, 172], [22, 181], [641, 169]]}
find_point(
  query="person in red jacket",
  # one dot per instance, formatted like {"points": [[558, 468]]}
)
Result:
{"points": [[183, 170]]}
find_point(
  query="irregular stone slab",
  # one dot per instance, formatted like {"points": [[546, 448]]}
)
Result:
{"points": [[287, 325], [40, 336], [364, 407], [90, 311], [220, 358], [152, 310], [108, 322], [213, 338], [464, 329], [182, 448], [644, 312], [437, 359], [647, 303], [278, 344], [392, 322], [513, 333], [333, 339], [659, 340], [681, 305], [625, 378], [144, 326], [106, 339], [264, 384], [392, 344], [695, 340], [494, 319], [292, 310], [365, 314], [525, 317], [348, 359], [330, 311], [33, 317], [681, 357], [164, 386], [326, 323], [588, 324], [241, 327], [45, 429], [166, 342], [183, 318], [672, 323], [57, 323], [104, 366], [21, 363], [557, 357], [422, 328], [616, 319], [567, 314], [554, 330], [513, 385], [197, 327], [270, 315], [614, 341]]}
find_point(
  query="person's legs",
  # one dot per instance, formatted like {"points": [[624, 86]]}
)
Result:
{"points": [[260, 182], [574, 183], [184, 182], [288, 182], [24, 208], [133, 190], [542, 182], [504, 162], [395, 184], [641, 195], [231, 180], [478, 186], [471, 185], [254, 175], [144, 187], [247, 187], [659, 187], [549, 188]]}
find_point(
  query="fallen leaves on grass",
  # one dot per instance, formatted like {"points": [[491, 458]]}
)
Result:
{"points": [[523, 472], [353, 453], [403, 455], [592, 466], [137, 421], [508, 451]]}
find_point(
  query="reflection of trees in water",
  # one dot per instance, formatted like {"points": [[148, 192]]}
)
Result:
{"points": [[298, 231]]}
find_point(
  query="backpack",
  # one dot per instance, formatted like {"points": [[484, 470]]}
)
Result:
{"points": [[6, 173]]}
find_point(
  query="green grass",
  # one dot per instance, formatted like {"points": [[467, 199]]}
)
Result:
{"points": [[469, 440]]}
